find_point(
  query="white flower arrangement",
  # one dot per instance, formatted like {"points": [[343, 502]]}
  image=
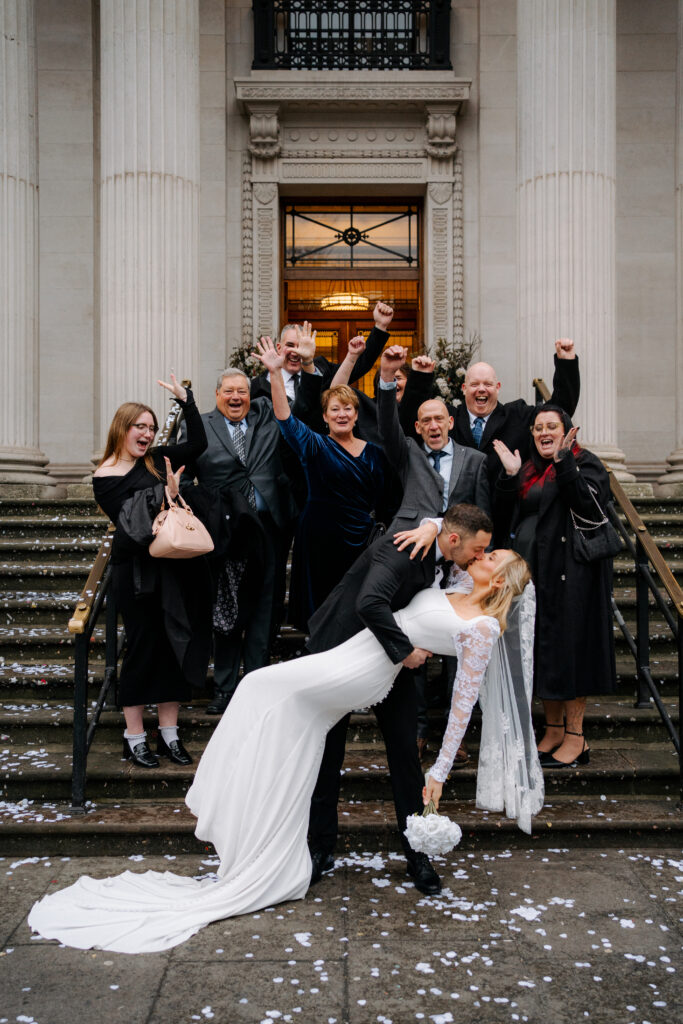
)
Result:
{"points": [[452, 359], [432, 833]]}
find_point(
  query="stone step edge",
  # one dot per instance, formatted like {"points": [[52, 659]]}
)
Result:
{"points": [[147, 818]]}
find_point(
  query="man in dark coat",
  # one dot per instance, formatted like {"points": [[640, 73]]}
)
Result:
{"points": [[381, 581], [243, 454], [481, 418]]}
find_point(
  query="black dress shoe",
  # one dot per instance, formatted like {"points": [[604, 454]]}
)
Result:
{"points": [[423, 874], [140, 755], [174, 751], [320, 863], [218, 704]]}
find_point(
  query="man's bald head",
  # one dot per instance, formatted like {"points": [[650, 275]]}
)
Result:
{"points": [[480, 389]]}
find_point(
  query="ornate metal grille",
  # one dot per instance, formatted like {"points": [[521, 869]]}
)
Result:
{"points": [[352, 237], [352, 34]]}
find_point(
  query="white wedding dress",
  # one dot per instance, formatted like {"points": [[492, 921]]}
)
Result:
{"points": [[252, 791]]}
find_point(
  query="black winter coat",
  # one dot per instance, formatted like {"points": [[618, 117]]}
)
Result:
{"points": [[574, 642]]}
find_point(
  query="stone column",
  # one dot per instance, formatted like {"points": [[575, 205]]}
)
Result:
{"points": [[21, 461], [671, 482], [566, 116], [149, 200]]}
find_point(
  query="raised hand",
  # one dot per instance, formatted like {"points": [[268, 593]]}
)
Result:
{"points": [[423, 364], [393, 357], [383, 314], [356, 346], [566, 443], [565, 348], [511, 463], [172, 479], [176, 389], [269, 355], [305, 339]]}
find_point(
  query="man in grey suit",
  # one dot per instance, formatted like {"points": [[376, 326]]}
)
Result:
{"points": [[435, 473], [243, 453]]}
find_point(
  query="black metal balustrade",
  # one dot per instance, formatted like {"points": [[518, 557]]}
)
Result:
{"points": [[352, 35]]}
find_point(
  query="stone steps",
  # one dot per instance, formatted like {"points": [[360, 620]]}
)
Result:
{"points": [[46, 550]]}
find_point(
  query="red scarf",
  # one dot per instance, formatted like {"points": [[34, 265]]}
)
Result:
{"points": [[532, 474]]}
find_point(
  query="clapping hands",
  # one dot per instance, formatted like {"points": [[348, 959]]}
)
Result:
{"points": [[511, 463]]}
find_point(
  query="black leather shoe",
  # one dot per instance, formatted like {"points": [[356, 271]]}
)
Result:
{"points": [[320, 863], [218, 704], [423, 874], [140, 755], [174, 751]]}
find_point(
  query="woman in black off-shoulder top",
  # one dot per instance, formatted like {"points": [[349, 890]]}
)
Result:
{"points": [[165, 603]]}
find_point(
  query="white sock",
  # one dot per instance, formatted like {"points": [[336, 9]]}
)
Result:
{"points": [[134, 739], [169, 733]]}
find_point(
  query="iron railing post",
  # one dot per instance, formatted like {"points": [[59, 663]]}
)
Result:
{"points": [[642, 625], [80, 723], [264, 34]]}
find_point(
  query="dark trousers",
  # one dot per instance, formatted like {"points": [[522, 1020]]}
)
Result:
{"points": [[396, 717], [250, 644]]}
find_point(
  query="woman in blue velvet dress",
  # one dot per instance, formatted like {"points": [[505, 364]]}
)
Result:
{"points": [[345, 478]]}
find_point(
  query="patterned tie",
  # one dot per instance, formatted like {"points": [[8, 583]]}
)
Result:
{"points": [[478, 430], [241, 449], [436, 459]]}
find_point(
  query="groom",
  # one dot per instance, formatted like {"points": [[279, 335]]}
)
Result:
{"points": [[380, 582]]}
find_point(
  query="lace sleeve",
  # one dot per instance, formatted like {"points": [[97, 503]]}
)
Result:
{"points": [[473, 648]]}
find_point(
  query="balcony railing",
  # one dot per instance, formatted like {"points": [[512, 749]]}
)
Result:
{"points": [[352, 35]]}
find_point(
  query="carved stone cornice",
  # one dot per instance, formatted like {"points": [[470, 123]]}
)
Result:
{"points": [[441, 131], [348, 89], [264, 130]]}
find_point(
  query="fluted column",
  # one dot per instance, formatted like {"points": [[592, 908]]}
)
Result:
{"points": [[566, 116], [672, 481], [21, 461], [149, 199]]}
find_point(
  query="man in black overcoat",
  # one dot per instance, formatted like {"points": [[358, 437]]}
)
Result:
{"points": [[381, 581], [481, 418]]}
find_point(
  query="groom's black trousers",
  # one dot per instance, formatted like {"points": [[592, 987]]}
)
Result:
{"points": [[396, 717]]}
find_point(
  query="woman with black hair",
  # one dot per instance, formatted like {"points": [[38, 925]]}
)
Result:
{"points": [[574, 645]]}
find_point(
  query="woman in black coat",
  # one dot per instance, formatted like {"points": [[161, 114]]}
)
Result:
{"points": [[165, 603], [574, 643]]}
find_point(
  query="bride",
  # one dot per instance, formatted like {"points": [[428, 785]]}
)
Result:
{"points": [[252, 791]]}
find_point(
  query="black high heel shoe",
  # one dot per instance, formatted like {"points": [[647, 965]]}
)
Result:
{"points": [[140, 755], [581, 759], [543, 755], [174, 751]]}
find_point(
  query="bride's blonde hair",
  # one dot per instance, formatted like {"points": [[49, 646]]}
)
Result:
{"points": [[515, 575]]}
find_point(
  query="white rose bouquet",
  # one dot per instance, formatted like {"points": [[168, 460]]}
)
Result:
{"points": [[432, 833]]}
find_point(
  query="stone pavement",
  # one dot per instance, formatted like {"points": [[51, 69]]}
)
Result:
{"points": [[540, 935]]}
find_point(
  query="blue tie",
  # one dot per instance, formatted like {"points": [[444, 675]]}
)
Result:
{"points": [[478, 430], [436, 459]]}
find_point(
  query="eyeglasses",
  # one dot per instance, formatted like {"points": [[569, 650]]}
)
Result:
{"points": [[541, 428], [142, 427]]}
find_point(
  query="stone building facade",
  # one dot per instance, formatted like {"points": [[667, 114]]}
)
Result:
{"points": [[147, 168]]}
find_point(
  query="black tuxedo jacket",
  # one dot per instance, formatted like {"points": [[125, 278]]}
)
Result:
{"points": [[380, 582], [510, 421]]}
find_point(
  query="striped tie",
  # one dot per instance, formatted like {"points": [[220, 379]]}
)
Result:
{"points": [[241, 449]]}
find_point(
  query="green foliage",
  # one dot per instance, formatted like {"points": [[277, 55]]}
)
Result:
{"points": [[242, 359]]}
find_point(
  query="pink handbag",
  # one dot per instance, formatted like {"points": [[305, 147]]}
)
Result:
{"points": [[178, 533]]}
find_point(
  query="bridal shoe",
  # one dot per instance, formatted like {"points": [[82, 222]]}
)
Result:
{"points": [[140, 755], [174, 751]]}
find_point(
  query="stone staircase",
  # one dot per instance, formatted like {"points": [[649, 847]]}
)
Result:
{"points": [[46, 548]]}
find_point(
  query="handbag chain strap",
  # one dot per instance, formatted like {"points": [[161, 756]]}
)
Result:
{"points": [[590, 525]]}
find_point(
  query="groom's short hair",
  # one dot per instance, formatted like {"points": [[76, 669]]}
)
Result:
{"points": [[466, 520]]}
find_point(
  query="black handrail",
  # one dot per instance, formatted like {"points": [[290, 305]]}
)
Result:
{"points": [[97, 593], [652, 574]]}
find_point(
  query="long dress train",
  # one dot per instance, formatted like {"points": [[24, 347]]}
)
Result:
{"points": [[252, 791]]}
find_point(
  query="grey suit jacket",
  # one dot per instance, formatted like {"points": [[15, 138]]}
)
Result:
{"points": [[422, 485], [220, 467]]}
